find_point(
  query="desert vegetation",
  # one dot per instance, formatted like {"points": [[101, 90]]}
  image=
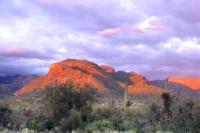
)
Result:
{"points": [[70, 107]]}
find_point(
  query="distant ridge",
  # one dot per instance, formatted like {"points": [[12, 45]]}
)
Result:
{"points": [[191, 82], [184, 85], [102, 77], [10, 84]]}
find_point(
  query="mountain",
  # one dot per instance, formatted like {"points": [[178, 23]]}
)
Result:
{"points": [[191, 82], [11, 84], [184, 85], [102, 77]]}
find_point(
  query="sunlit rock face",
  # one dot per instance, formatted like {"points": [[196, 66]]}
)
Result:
{"points": [[107, 68], [54, 68], [191, 82], [102, 77], [184, 85]]}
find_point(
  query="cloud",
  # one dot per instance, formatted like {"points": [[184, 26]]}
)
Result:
{"points": [[109, 31], [156, 39], [151, 24], [22, 66], [17, 52]]}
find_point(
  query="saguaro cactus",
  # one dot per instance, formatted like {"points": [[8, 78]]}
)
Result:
{"points": [[166, 113], [55, 82], [125, 95], [166, 101], [166, 85]]}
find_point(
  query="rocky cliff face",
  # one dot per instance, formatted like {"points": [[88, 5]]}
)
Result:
{"points": [[11, 84], [104, 78]]}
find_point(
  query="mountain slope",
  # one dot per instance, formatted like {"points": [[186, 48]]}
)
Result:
{"points": [[190, 82], [184, 85], [104, 78], [11, 84]]}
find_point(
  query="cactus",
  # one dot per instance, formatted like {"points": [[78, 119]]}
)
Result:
{"points": [[55, 82], [166, 85], [125, 95], [166, 101]]}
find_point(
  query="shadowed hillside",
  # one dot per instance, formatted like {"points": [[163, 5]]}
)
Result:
{"points": [[11, 84]]}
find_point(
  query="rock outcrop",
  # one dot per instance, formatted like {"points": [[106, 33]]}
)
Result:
{"points": [[107, 68]]}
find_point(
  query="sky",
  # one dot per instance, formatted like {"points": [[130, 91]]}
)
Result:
{"points": [[157, 39]]}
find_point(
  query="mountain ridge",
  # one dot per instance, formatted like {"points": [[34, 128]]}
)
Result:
{"points": [[185, 85], [99, 76], [11, 84], [103, 77]]}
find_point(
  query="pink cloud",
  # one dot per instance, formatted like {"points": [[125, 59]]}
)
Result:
{"points": [[126, 27], [151, 25], [109, 31], [156, 25]]}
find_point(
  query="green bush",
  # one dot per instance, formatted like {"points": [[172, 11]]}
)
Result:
{"points": [[99, 125], [116, 119], [73, 121], [39, 125], [126, 125], [69, 101]]}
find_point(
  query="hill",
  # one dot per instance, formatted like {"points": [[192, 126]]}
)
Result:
{"points": [[11, 84], [184, 85], [190, 82], [102, 77]]}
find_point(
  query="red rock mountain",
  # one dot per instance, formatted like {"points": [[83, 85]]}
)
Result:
{"points": [[191, 82], [102, 77]]}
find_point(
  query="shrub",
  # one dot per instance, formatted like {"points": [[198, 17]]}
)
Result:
{"points": [[126, 125], [5, 113], [175, 114], [195, 124], [113, 119], [68, 101], [40, 123], [72, 122], [99, 125]]}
